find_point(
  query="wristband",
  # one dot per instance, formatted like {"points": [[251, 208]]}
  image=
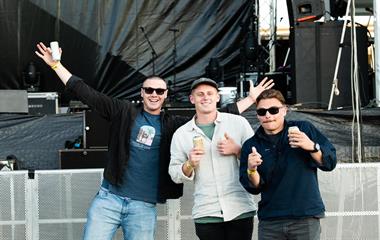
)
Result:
{"points": [[188, 165], [251, 171], [55, 66]]}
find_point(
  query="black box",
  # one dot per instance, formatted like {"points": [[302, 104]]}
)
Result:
{"points": [[82, 158], [41, 103], [96, 130]]}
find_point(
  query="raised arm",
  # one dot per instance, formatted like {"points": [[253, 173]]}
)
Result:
{"points": [[106, 106], [246, 102], [45, 54]]}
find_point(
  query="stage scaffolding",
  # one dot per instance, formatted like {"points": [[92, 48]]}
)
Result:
{"points": [[52, 204]]}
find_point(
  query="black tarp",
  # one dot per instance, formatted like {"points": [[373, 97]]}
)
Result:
{"points": [[103, 43], [36, 140]]}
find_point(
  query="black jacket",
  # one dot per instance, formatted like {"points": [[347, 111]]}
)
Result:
{"points": [[121, 115]]}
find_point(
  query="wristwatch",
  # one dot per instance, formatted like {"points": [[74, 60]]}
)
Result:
{"points": [[317, 147]]}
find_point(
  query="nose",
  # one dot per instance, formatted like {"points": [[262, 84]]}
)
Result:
{"points": [[267, 114]]}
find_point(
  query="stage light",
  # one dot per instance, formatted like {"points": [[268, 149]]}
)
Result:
{"points": [[31, 78]]}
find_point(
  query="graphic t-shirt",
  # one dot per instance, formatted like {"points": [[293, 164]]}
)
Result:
{"points": [[140, 179]]}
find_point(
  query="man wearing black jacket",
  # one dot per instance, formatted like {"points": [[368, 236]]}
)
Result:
{"points": [[280, 162], [136, 176]]}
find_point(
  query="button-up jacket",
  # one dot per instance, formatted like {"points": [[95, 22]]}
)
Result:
{"points": [[218, 192]]}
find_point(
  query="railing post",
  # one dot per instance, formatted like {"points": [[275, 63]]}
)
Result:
{"points": [[174, 219], [378, 200], [31, 208]]}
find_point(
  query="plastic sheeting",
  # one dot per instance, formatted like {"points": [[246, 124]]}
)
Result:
{"points": [[103, 43], [35, 140]]}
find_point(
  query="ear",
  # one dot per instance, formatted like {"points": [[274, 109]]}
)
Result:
{"points": [[141, 93], [284, 110], [166, 94], [217, 97], [191, 97]]}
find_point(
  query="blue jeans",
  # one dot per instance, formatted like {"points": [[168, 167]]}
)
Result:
{"points": [[108, 212]]}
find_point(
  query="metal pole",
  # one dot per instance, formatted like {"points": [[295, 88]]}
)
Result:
{"points": [[376, 12], [273, 34]]}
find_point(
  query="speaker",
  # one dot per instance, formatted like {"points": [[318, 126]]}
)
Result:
{"points": [[305, 10], [82, 158], [314, 51], [281, 83]]}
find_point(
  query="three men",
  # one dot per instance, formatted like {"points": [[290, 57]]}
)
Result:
{"points": [[136, 176]]}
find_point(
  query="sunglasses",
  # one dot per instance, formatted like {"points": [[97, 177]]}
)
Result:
{"points": [[149, 90], [271, 110]]}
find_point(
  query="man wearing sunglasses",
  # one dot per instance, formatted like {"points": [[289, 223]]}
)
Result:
{"points": [[281, 161], [136, 176], [206, 151]]}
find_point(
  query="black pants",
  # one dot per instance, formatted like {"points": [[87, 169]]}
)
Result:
{"points": [[237, 229]]}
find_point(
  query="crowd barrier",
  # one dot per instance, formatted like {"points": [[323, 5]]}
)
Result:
{"points": [[52, 205]]}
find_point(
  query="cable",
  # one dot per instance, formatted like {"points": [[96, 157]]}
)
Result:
{"points": [[355, 97]]}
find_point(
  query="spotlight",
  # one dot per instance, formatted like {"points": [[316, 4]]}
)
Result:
{"points": [[31, 78]]}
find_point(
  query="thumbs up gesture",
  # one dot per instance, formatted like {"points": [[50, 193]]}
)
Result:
{"points": [[227, 146], [254, 159]]}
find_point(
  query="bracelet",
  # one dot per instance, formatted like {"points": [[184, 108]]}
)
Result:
{"points": [[55, 66], [251, 171], [189, 166]]}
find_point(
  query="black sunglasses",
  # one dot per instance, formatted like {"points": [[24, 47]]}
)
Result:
{"points": [[271, 110], [149, 90]]}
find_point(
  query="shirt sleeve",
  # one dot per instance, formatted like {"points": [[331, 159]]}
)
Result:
{"points": [[248, 131], [177, 158], [106, 106], [244, 180], [329, 159]]}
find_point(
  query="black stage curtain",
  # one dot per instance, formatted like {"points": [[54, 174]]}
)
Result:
{"points": [[103, 41], [35, 140]]}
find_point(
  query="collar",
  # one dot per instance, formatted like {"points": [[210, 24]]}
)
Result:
{"points": [[260, 133], [193, 125]]}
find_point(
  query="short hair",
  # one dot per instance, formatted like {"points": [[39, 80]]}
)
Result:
{"points": [[152, 77], [271, 93]]}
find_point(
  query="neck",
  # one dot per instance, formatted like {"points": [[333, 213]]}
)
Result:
{"points": [[155, 112], [205, 118], [273, 132]]}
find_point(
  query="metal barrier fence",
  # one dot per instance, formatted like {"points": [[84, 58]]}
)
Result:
{"points": [[53, 205]]}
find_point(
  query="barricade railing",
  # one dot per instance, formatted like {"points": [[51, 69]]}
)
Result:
{"points": [[52, 204]]}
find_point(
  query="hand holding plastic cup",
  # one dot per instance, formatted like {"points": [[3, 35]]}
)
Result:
{"points": [[293, 129], [198, 142], [55, 54]]}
